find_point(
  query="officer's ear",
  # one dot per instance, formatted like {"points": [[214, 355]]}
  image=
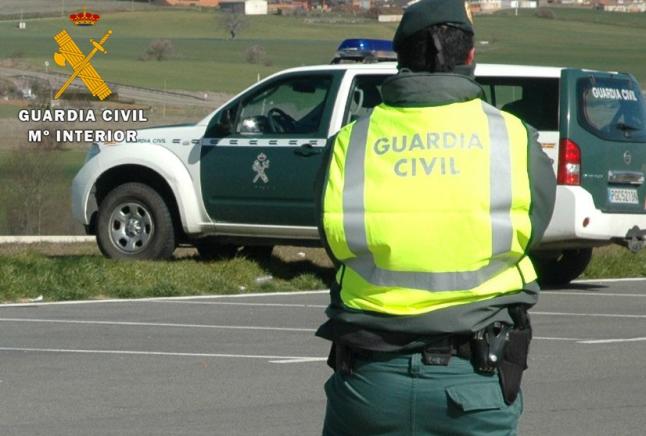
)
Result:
{"points": [[471, 56]]}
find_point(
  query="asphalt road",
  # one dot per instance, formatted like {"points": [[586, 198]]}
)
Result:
{"points": [[251, 365]]}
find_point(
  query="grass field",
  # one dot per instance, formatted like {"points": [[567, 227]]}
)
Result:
{"points": [[78, 271], [206, 60]]}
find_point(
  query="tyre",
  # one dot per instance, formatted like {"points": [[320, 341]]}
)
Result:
{"points": [[562, 269], [211, 250], [135, 222]]}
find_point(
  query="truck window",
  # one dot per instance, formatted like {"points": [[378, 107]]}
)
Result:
{"points": [[533, 100], [612, 108], [294, 105]]}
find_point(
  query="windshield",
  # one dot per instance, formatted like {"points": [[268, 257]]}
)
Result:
{"points": [[612, 108]]}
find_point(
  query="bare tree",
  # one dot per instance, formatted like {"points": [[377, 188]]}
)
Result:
{"points": [[159, 50], [233, 23]]}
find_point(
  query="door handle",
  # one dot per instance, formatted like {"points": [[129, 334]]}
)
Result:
{"points": [[307, 150]]}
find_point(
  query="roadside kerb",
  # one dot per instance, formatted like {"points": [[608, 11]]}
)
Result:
{"points": [[45, 239]]}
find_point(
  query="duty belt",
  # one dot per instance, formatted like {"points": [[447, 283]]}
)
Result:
{"points": [[438, 352]]}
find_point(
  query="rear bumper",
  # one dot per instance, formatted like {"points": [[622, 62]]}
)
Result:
{"points": [[578, 223]]}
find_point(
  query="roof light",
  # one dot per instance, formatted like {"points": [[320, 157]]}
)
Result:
{"points": [[365, 50]]}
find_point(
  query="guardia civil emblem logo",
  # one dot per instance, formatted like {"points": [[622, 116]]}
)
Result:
{"points": [[69, 53], [260, 165]]}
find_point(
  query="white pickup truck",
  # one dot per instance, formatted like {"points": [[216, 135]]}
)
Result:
{"points": [[245, 174]]}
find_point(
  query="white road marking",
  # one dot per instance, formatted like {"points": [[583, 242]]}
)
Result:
{"points": [[156, 299], [264, 328], [277, 359], [593, 294], [592, 315], [612, 341], [258, 294], [231, 303], [627, 279], [303, 360], [290, 293], [157, 324]]}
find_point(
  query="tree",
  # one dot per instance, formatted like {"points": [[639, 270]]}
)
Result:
{"points": [[256, 54], [233, 23], [159, 50]]}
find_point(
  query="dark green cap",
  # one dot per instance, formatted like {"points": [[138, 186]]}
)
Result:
{"points": [[425, 13]]}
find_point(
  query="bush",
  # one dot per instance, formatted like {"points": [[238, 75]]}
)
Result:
{"points": [[7, 88], [42, 90], [159, 50], [256, 54], [31, 196], [545, 13]]}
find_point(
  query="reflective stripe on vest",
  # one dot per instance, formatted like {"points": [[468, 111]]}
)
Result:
{"points": [[391, 216], [500, 204]]}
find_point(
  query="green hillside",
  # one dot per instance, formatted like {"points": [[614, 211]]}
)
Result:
{"points": [[206, 60]]}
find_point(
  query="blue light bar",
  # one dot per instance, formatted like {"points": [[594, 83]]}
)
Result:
{"points": [[365, 50]]}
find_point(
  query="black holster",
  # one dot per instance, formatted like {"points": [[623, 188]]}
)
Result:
{"points": [[340, 358], [514, 357]]}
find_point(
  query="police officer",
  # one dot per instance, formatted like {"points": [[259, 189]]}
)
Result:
{"points": [[429, 207]]}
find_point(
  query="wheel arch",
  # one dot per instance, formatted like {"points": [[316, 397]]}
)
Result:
{"points": [[135, 173], [168, 177]]}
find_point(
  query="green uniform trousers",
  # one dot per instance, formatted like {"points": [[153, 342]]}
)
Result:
{"points": [[397, 394]]}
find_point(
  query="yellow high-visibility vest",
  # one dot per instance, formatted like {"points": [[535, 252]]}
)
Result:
{"points": [[428, 208]]}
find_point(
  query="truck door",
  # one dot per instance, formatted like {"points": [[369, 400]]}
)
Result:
{"points": [[259, 160], [606, 122]]}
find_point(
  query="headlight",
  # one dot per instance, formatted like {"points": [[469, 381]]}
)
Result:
{"points": [[93, 151]]}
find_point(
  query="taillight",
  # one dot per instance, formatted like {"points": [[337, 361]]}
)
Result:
{"points": [[569, 172]]}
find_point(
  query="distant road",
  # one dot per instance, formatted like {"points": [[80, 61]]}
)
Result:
{"points": [[140, 94]]}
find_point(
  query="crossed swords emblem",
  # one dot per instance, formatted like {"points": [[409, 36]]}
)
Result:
{"points": [[68, 52]]}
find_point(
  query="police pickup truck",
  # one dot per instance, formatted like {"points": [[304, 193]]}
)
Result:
{"points": [[244, 176]]}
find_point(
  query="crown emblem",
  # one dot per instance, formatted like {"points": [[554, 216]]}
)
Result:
{"points": [[84, 18]]}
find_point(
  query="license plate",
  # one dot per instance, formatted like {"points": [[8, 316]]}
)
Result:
{"points": [[623, 196]]}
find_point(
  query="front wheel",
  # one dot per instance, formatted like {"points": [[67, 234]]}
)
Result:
{"points": [[134, 222], [562, 269]]}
